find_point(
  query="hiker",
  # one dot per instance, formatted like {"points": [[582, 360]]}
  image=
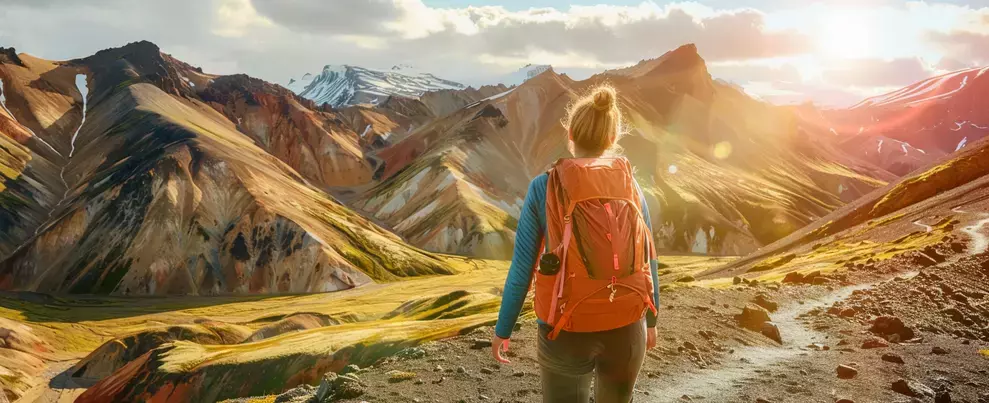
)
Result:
{"points": [[596, 286]]}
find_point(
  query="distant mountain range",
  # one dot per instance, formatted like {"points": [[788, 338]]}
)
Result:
{"points": [[241, 186], [345, 85]]}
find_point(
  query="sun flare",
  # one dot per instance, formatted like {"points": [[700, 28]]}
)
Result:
{"points": [[845, 34]]}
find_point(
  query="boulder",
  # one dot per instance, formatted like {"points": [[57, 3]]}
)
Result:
{"points": [[893, 358], [889, 326], [770, 330], [793, 278], [752, 317], [939, 350], [911, 388], [847, 371], [874, 342], [764, 301]]}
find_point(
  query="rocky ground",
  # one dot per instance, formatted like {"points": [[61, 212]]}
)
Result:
{"points": [[912, 328]]}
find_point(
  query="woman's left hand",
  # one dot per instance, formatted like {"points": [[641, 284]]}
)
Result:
{"points": [[650, 338]]}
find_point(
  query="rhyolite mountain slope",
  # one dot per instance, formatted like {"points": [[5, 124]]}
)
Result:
{"points": [[936, 198], [130, 172], [724, 174], [914, 126], [345, 85]]}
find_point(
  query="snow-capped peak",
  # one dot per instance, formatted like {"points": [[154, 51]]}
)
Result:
{"points": [[343, 85], [524, 74]]}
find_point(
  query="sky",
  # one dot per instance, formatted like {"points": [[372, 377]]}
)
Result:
{"points": [[832, 52]]}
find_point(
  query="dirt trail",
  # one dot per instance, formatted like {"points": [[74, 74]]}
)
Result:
{"points": [[980, 241], [720, 381]]}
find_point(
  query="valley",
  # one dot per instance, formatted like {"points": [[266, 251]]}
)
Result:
{"points": [[172, 235]]}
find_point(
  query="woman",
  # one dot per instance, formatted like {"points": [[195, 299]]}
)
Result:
{"points": [[606, 273]]}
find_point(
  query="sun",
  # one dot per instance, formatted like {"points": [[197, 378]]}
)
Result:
{"points": [[845, 34]]}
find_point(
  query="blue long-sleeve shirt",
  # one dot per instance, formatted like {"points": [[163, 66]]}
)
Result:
{"points": [[528, 237]]}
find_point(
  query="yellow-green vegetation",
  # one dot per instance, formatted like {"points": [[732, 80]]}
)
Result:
{"points": [[773, 262], [854, 247], [960, 170], [879, 222], [985, 353]]}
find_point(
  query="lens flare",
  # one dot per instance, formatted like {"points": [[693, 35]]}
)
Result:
{"points": [[722, 150]]}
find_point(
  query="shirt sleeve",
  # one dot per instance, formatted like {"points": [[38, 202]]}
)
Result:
{"points": [[653, 263], [528, 238]]}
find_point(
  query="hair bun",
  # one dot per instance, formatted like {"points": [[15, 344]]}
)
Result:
{"points": [[604, 99]]}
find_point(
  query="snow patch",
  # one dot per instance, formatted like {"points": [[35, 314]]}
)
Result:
{"points": [[83, 88], [961, 144]]}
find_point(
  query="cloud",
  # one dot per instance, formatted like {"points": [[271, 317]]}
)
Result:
{"points": [[963, 45], [877, 73], [749, 72], [608, 34], [351, 17]]}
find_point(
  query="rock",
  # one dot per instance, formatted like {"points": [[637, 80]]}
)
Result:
{"points": [[770, 330], [888, 326], [480, 344], [761, 400], [439, 381], [689, 346], [518, 374], [487, 371], [685, 279], [942, 397], [736, 280], [874, 343], [348, 386], [764, 301], [411, 353], [395, 376], [845, 401], [890, 357], [847, 312], [301, 394], [461, 370], [752, 317], [910, 388], [939, 350], [438, 368], [793, 277], [846, 372], [325, 389], [350, 369]]}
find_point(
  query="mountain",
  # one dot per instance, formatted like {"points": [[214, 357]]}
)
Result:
{"points": [[724, 174], [346, 85], [916, 125], [918, 212], [130, 172], [524, 73]]}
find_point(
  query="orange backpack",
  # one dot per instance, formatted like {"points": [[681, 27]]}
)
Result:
{"points": [[596, 229]]}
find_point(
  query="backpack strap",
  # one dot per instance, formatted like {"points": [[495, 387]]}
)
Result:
{"points": [[562, 274], [612, 224]]}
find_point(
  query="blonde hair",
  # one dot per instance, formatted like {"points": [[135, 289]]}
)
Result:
{"points": [[595, 122]]}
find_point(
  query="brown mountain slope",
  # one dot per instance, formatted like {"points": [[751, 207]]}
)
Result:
{"points": [[725, 174], [925, 201], [166, 195]]}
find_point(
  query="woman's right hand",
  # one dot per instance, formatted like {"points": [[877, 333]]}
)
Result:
{"points": [[498, 347]]}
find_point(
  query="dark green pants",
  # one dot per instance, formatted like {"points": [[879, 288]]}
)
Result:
{"points": [[613, 357]]}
